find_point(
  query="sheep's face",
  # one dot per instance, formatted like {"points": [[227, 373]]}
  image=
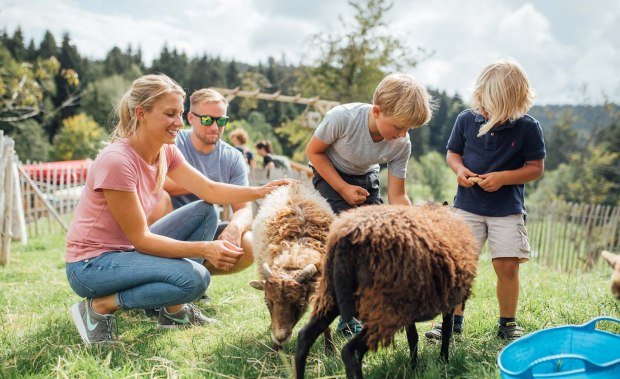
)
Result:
{"points": [[287, 299], [614, 262]]}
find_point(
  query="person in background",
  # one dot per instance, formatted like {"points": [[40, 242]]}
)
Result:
{"points": [[239, 138]]}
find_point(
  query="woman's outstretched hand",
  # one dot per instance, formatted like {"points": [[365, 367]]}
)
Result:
{"points": [[269, 187]]}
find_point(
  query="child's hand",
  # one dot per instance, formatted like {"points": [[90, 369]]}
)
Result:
{"points": [[461, 177], [492, 181], [354, 195]]}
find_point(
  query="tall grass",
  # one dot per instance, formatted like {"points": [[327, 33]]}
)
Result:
{"points": [[38, 339]]}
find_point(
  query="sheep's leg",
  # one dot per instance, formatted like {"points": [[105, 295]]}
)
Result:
{"points": [[306, 337], [328, 341], [446, 334], [412, 338], [352, 355]]}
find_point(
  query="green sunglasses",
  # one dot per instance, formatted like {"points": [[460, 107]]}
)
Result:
{"points": [[207, 120]]}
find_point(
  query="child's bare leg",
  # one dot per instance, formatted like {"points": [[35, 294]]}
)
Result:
{"points": [[507, 270]]}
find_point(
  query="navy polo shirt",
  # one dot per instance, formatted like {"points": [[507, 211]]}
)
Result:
{"points": [[505, 147]]}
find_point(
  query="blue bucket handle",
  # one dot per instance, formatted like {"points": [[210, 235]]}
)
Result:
{"points": [[591, 325], [590, 367]]}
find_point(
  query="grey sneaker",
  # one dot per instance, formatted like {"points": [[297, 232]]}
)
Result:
{"points": [[93, 327], [511, 331], [188, 315], [434, 334]]}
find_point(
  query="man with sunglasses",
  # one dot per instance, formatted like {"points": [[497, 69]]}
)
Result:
{"points": [[217, 160]]}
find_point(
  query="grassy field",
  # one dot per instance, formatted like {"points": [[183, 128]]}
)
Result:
{"points": [[38, 339]]}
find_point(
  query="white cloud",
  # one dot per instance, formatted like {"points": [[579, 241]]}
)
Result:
{"points": [[561, 44]]}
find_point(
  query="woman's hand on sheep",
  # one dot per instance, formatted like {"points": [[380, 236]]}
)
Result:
{"points": [[269, 187], [461, 177], [223, 254], [354, 195]]}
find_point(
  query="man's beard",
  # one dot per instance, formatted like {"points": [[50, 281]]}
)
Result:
{"points": [[208, 140]]}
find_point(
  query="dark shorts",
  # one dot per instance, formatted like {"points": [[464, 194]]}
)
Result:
{"points": [[368, 181]]}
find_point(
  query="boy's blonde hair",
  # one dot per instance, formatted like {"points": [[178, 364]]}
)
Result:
{"points": [[240, 134], [144, 91], [206, 95], [401, 97], [503, 91]]}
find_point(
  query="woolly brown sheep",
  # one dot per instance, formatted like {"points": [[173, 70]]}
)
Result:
{"points": [[614, 262], [290, 233], [391, 266]]}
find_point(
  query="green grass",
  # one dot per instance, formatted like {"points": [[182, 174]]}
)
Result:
{"points": [[38, 339]]}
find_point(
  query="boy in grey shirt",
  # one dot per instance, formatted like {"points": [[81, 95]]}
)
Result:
{"points": [[353, 139]]}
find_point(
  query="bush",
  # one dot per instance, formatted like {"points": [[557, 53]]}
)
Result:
{"points": [[80, 137]]}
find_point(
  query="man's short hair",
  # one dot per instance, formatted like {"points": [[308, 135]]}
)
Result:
{"points": [[401, 97], [207, 95]]}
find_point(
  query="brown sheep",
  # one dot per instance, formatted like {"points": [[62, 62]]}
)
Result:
{"points": [[290, 233], [614, 262], [391, 266]]}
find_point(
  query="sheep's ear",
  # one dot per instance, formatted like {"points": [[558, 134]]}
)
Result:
{"points": [[258, 284], [612, 259], [266, 271], [306, 274]]}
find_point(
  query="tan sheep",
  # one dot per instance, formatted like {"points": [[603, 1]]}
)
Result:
{"points": [[391, 267], [614, 262], [290, 233]]}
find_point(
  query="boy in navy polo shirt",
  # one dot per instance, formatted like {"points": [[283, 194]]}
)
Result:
{"points": [[494, 149]]}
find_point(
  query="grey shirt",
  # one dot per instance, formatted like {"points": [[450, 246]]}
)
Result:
{"points": [[351, 148], [224, 164]]}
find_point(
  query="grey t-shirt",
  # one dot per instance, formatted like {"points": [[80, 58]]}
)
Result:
{"points": [[351, 148], [224, 164]]}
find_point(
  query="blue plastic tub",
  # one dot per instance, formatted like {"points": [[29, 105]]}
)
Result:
{"points": [[572, 351]]}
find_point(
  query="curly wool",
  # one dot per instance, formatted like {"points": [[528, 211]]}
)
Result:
{"points": [[290, 229], [421, 262]]}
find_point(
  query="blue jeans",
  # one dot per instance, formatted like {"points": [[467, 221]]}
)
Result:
{"points": [[146, 281]]}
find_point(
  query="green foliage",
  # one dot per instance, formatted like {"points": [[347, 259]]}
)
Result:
{"points": [[562, 141], [38, 339], [22, 86], [296, 135], [30, 141], [434, 173], [582, 179], [352, 63], [101, 96], [80, 137]]}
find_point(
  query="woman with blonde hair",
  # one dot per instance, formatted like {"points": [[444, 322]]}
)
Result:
{"points": [[113, 259], [494, 149]]}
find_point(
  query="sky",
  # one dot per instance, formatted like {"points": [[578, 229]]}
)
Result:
{"points": [[570, 49]]}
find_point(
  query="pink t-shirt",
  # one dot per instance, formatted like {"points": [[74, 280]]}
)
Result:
{"points": [[94, 229]]}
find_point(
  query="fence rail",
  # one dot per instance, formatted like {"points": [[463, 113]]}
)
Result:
{"points": [[52, 190], [570, 236], [563, 236]]}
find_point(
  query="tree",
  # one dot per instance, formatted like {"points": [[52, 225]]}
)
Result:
{"points": [[562, 141], [48, 47], [101, 96], [352, 63], [80, 137], [23, 86], [30, 141]]}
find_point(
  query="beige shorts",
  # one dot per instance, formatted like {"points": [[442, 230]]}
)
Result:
{"points": [[507, 235]]}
